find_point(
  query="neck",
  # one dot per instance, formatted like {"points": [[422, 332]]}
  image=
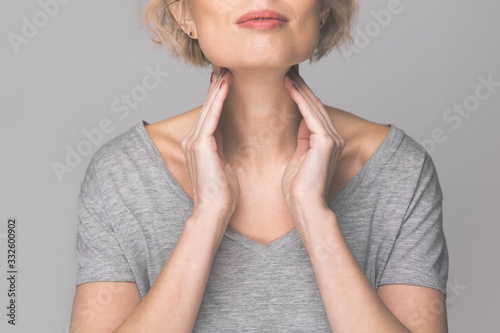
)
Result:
{"points": [[259, 121]]}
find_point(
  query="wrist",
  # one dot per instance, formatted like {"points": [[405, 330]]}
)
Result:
{"points": [[212, 215], [204, 226], [304, 211], [315, 224]]}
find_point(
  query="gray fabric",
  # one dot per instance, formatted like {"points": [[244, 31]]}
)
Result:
{"points": [[132, 212]]}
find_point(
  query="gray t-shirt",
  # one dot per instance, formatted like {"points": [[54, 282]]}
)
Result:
{"points": [[132, 212]]}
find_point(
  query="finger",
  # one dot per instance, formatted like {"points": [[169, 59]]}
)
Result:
{"points": [[212, 117], [315, 102], [305, 90], [213, 90], [289, 83], [314, 107], [209, 97], [203, 129], [309, 94], [322, 108], [190, 155], [313, 122]]}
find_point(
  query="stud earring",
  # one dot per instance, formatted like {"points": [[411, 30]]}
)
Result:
{"points": [[191, 34]]}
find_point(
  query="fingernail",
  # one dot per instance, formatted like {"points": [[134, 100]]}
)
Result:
{"points": [[212, 77]]}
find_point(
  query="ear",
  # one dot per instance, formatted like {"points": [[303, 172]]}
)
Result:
{"points": [[183, 15], [326, 7]]}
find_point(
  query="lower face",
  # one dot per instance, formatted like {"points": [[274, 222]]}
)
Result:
{"points": [[256, 44]]}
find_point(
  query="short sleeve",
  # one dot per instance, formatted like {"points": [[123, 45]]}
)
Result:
{"points": [[419, 255], [98, 252]]}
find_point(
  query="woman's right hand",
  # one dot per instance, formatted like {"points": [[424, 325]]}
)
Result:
{"points": [[215, 185]]}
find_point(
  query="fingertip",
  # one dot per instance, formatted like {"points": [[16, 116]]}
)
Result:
{"points": [[288, 82], [228, 78]]}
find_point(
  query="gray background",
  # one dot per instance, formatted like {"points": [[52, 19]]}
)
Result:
{"points": [[65, 79]]}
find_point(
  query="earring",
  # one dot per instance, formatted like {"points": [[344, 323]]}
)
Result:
{"points": [[191, 34]]}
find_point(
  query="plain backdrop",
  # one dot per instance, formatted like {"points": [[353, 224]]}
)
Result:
{"points": [[415, 70]]}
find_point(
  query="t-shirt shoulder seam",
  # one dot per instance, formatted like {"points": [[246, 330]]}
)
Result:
{"points": [[140, 130], [121, 141], [384, 151]]}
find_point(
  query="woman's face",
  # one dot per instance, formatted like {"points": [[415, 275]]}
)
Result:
{"points": [[226, 43]]}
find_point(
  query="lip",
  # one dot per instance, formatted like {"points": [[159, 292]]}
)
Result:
{"points": [[262, 14], [268, 24]]}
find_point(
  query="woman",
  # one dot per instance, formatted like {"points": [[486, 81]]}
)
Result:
{"points": [[332, 222]]}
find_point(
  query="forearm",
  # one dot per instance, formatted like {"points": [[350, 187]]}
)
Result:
{"points": [[173, 302], [351, 303]]}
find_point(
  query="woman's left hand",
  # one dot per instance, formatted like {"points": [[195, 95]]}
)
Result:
{"points": [[309, 174]]}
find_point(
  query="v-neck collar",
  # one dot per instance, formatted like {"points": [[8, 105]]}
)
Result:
{"points": [[290, 236]]}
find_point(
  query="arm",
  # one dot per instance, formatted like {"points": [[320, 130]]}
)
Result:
{"points": [[173, 301], [395, 308], [421, 309], [351, 303]]}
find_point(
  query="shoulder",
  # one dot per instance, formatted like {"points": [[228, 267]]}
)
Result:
{"points": [[173, 129], [362, 137], [116, 157], [168, 133], [119, 147], [401, 156], [370, 134]]}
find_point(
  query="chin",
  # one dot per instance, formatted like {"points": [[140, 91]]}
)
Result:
{"points": [[244, 57]]}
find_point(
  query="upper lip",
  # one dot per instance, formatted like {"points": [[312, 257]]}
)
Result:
{"points": [[261, 14]]}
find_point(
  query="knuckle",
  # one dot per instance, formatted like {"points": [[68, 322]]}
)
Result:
{"points": [[197, 146], [341, 141], [330, 143], [184, 142], [326, 137]]}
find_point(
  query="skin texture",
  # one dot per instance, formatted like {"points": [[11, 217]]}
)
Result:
{"points": [[302, 163]]}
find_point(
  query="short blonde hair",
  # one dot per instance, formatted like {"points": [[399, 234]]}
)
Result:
{"points": [[335, 32]]}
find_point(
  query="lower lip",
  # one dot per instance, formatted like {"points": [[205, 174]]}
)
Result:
{"points": [[263, 25]]}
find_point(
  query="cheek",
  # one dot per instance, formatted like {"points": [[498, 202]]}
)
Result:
{"points": [[215, 44], [307, 37]]}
